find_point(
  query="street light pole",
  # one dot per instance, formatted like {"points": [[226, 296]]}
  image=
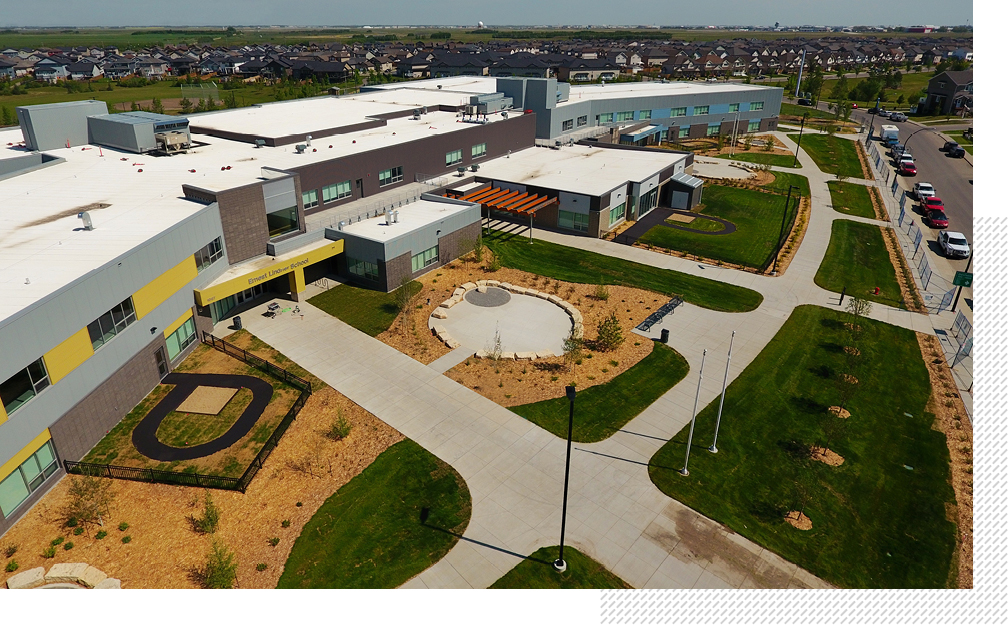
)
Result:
{"points": [[780, 243], [559, 564], [800, 131], [724, 385], [959, 292], [696, 402], [871, 125]]}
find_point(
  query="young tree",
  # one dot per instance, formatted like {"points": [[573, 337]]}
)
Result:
{"points": [[573, 349], [88, 500], [840, 88], [860, 308], [186, 105], [610, 333], [220, 568], [156, 106], [804, 485], [405, 300]]}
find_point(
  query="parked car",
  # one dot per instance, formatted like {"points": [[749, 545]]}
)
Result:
{"points": [[907, 168], [897, 117], [854, 106], [900, 152], [968, 134], [923, 190], [936, 218], [877, 110], [956, 152], [904, 159], [953, 244], [933, 203], [804, 102]]}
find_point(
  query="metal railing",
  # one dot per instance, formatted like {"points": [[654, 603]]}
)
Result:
{"points": [[660, 314], [220, 482]]}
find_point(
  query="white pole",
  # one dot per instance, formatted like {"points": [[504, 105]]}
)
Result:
{"points": [[724, 385], [696, 402]]}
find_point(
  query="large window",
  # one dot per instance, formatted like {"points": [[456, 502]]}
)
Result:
{"points": [[309, 199], [755, 106], [208, 254], [26, 478], [754, 125], [479, 150], [425, 258], [181, 338], [568, 124], [624, 116], [701, 110], [605, 118], [451, 158], [572, 221], [733, 108], [684, 132], [111, 323], [282, 221], [678, 112], [362, 269], [645, 115], [21, 387], [582, 121], [616, 213], [389, 176], [713, 130], [336, 191]]}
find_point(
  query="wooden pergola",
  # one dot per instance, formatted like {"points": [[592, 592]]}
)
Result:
{"points": [[516, 202]]}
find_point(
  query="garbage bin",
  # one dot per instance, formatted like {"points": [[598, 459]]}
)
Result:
{"points": [[237, 323], [664, 335]]}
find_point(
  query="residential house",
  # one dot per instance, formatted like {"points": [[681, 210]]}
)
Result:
{"points": [[84, 70], [949, 92]]}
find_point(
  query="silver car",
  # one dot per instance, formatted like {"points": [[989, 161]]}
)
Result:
{"points": [[953, 244], [897, 117]]}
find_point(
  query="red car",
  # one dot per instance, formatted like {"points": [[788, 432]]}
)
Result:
{"points": [[933, 203], [907, 169], [936, 218]]}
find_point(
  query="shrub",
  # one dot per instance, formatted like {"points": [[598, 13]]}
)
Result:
{"points": [[88, 499], [55, 541], [10, 550], [340, 428], [68, 546], [12, 566], [49, 552], [78, 531], [274, 541], [601, 292], [298, 504], [495, 264], [610, 333], [261, 567], [71, 522], [126, 539], [207, 523], [123, 526], [220, 567], [285, 523], [101, 534]]}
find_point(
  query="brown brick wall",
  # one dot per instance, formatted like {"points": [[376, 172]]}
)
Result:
{"points": [[391, 274], [243, 219], [448, 245]]}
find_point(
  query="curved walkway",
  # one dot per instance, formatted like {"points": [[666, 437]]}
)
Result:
{"points": [[145, 433]]}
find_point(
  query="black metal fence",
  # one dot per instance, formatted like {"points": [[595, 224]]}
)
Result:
{"points": [[181, 478]]}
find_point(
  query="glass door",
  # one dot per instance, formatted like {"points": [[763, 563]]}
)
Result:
{"points": [[162, 362]]}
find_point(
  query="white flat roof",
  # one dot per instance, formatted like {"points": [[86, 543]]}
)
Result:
{"points": [[620, 90], [578, 168], [411, 217]]}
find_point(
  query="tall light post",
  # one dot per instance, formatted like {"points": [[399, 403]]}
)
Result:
{"points": [[559, 564], [800, 131], [696, 402], [871, 125], [734, 135], [724, 385], [780, 237]]}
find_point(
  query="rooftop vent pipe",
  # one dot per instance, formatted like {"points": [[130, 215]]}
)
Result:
{"points": [[86, 218]]}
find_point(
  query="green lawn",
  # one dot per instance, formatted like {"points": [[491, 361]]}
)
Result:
{"points": [[601, 410], [851, 199], [370, 311], [698, 223], [753, 156], [573, 265], [857, 259], [798, 111], [876, 523], [832, 154], [537, 572], [185, 429], [394, 520], [757, 218], [910, 89]]}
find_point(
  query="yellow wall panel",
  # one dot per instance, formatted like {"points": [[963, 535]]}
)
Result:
{"points": [[164, 286], [9, 466], [178, 323], [68, 355], [3, 414]]}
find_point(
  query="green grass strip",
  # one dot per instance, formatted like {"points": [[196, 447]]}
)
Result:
{"points": [[601, 410], [858, 260], [851, 199], [832, 155], [537, 572], [372, 312]]}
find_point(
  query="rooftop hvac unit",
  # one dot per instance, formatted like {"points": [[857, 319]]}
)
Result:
{"points": [[172, 142], [342, 224], [300, 148], [308, 140], [395, 217], [260, 143], [388, 218]]}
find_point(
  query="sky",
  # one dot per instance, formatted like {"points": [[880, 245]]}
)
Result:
{"points": [[14, 13]]}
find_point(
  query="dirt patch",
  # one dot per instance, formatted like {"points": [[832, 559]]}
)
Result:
{"points": [[686, 219], [841, 413], [878, 204], [798, 520], [908, 288], [849, 379], [952, 420], [164, 548], [207, 399], [763, 177], [866, 171], [852, 351], [826, 456]]}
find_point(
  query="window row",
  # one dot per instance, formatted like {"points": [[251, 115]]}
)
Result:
{"points": [[362, 269], [309, 199], [425, 258], [208, 254], [21, 387], [338, 191], [568, 124], [453, 158], [27, 478], [582, 121], [102, 329], [616, 213], [479, 150], [624, 116], [181, 338], [390, 176], [679, 111], [572, 220]]}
